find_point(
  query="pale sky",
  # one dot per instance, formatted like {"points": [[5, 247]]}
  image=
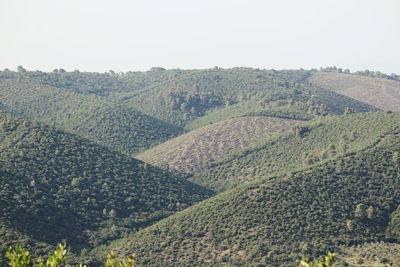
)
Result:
{"points": [[97, 35]]}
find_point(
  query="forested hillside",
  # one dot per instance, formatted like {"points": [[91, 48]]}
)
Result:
{"points": [[104, 122], [271, 221], [55, 186], [243, 90], [304, 161], [305, 145]]}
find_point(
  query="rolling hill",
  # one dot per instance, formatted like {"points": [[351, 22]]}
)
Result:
{"points": [[378, 92], [308, 144], [194, 94], [57, 186], [273, 220], [193, 151], [113, 125]]}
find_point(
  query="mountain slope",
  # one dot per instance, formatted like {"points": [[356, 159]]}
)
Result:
{"points": [[310, 143], [194, 93], [106, 123], [195, 150], [274, 220], [56, 186], [378, 92]]}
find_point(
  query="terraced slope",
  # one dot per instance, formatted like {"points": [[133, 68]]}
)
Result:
{"points": [[56, 186], [378, 92], [312, 143], [274, 220], [115, 126], [195, 150]]}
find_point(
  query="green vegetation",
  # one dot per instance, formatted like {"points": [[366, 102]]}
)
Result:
{"points": [[326, 261], [196, 93], [366, 73], [306, 162], [314, 142], [371, 254], [19, 257], [272, 220], [193, 151], [113, 125], [56, 186]]}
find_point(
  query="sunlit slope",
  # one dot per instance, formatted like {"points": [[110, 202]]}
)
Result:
{"points": [[272, 221], [311, 143], [193, 151], [378, 92]]}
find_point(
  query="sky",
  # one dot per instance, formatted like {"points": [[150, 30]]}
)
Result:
{"points": [[132, 35]]}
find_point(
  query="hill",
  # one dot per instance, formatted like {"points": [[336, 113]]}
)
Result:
{"points": [[104, 122], [271, 221], [193, 151], [56, 186], [378, 92], [180, 97], [188, 95], [371, 254], [308, 144]]}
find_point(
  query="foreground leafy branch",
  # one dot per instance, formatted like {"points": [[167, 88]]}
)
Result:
{"points": [[326, 261], [19, 257]]}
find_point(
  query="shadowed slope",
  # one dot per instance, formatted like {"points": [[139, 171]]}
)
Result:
{"points": [[56, 186], [106, 123]]}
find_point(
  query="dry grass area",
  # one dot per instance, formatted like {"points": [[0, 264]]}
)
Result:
{"points": [[372, 255], [378, 92], [192, 151]]}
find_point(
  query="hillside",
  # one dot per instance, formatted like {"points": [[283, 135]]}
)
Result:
{"points": [[371, 254], [104, 122], [310, 143], [379, 92], [272, 221], [180, 97], [192, 94], [56, 186], [193, 151]]}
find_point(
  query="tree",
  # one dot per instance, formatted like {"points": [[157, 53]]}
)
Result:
{"points": [[349, 225], [323, 109], [348, 110], [21, 69], [370, 212], [113, 213], [360, 211]]}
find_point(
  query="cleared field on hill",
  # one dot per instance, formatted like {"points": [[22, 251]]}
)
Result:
{"points": [[378, 92], [190, 152], [372, 254]]}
